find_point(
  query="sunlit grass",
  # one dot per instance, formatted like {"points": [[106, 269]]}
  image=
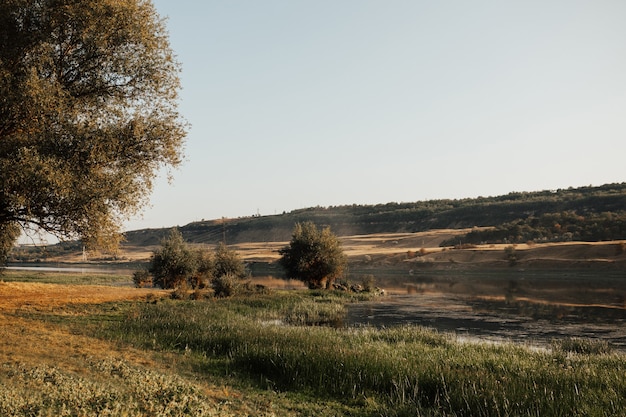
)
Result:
{"points": [[77, 278], [399, 371], [109, 388], [285, 353]]}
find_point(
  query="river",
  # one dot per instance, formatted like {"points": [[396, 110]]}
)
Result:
{"points": [[533, 308]]}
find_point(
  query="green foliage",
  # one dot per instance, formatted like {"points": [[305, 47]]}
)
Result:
{"points": [[227, 262], [368, 282], [402, 371], [88, 114], [552, 227], [142, 278], [313, 256], [175, 264], [9, 232], [225, 285], [228, 271]]}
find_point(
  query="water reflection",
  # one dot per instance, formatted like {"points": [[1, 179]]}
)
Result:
{"points": [[517, 306]]}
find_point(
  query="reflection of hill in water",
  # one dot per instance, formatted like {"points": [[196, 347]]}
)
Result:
{"points": [[525, 323], [532, 309]]}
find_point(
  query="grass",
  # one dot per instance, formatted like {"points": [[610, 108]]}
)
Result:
{"points": [[65, 278], [126, 390], [395, 372], [283, 354]]}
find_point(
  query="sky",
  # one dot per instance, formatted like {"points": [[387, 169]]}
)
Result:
{"points": [[302, 103]]}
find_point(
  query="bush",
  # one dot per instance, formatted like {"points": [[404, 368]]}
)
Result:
{"points": [[368, 282], [176, 265], [142, 278], [313, 256], [226, 285], [510, 255], [173, 263], [227, 262]]}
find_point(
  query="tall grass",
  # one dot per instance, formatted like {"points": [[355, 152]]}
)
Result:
{"points": [[404, 371]]}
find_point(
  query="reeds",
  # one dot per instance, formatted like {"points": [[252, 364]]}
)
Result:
{"points": [[398, 371]]}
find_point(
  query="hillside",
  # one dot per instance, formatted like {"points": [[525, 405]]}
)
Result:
{"points": [[405, 217]]}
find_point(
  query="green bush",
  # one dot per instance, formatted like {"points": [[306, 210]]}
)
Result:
{"points": [[313, 256], [142, 278], [174, 263], [226, 285]]}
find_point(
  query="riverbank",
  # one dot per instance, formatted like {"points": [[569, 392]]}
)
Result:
{"points": [[95, 350]]}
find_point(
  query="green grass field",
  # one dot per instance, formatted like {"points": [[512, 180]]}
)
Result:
{"points": [[285, 353]]}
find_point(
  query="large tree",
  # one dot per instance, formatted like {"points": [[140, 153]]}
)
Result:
{"points": [[313, 256], [88, 114]]}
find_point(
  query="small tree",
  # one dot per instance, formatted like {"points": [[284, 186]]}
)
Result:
{"points": [[227, 262], [228, 270], [175, 264], [313, 256]]}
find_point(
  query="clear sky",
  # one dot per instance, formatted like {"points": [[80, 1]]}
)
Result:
{"points": [[299, 103]]}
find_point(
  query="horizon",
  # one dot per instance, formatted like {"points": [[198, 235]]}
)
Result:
{"points": [[52, 240], [381, 203]]}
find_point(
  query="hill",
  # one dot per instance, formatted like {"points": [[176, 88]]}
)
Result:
{"points": [[586, 202]]}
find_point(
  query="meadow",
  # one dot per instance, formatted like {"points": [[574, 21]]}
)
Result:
{"points": [[73, 350]]}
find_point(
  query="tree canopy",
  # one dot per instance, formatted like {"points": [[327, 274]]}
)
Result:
{"points": [[313, 256], [88, 114]]}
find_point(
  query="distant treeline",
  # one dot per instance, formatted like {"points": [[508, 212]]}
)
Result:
{"points": [[553, 227], [585, 213]]}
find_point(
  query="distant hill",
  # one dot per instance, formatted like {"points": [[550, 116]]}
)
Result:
{"points": [[584, 202]]}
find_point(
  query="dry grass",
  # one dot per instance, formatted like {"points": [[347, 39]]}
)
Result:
{"points": [[31, 344], [32, 341], [19, 295]]}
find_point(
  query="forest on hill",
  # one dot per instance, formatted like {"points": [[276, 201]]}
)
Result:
{"points": [[583, 213]]}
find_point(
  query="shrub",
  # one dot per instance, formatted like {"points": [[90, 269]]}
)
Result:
{"points": [[313, 256], [228, 271], [227, 262], [510, 255], [369, 283], [142, 278], [175, 264], [226, 285]]}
